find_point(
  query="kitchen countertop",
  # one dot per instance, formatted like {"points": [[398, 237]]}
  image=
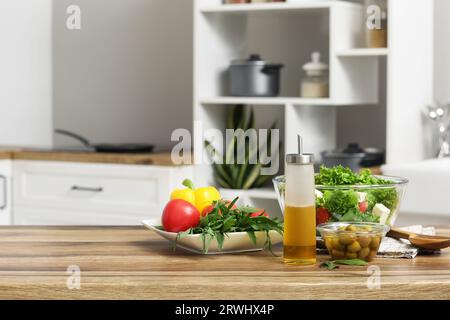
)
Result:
{"points": [[132, 262], [157, 158]]}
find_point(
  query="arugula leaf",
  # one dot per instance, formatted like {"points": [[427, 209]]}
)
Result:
{"points": [[181, 235], [252, 236], [331, 265], [225, 219], [219, 238], [351, 262]]}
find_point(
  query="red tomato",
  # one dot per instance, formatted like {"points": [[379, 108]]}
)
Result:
{"points": [[210, 208], [259, 212], [179, 215], [363, 206], [322, 215]]}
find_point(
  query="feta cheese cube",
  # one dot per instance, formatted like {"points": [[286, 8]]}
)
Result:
{"points": [[381, 211], [319, 194]]}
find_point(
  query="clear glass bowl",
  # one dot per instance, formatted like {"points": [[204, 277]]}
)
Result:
{"points": [[353, 240], [378, 203]]}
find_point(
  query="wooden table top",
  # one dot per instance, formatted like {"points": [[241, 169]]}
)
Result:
{"points": [[134, 263]]}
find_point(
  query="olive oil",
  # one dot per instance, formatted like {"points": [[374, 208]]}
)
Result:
{"points": [[299, 238], [299, 235]]}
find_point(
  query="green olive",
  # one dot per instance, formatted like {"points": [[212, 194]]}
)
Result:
{"points": [[351, 255], [364, 241], [375, 243], [372, 254], [354, 247], [351, 227], [337, 245], [329, 243], [346, 238], [337, 254], [364, 253]]}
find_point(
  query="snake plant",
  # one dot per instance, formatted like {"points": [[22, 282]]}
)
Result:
{"points": [[230, 174]]}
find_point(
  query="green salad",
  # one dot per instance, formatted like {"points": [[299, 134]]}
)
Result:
{"points": [[367, 198]]}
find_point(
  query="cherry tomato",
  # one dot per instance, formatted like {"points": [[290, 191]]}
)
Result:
{"points": [[322, 215], [210, 208], [179, 215], [259, 212], [363, 206]]}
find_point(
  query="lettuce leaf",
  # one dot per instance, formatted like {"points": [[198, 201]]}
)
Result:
{"points": [[340, 201]]}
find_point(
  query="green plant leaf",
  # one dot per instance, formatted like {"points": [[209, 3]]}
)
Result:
{"points": [[261, 180], [222, 183], [251, 178]]}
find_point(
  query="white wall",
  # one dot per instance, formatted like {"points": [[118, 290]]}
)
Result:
{"points": [[126, 76], [25, 73], [442, 50]]}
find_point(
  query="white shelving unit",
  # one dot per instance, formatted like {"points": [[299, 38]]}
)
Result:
{"points": [[363, 52], [288, 33]]}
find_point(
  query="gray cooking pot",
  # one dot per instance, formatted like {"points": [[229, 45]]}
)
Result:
{"points": [[354, 157], [254, 77]]}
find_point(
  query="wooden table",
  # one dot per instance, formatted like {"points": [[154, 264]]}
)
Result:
{"points": [[130, 263]]}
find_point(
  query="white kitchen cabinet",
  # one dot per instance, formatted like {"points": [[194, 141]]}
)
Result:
{"points": [[66, 193], [5, 192]]}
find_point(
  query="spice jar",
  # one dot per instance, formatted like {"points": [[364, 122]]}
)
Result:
{"points": [[376, 23], [315, 83]]}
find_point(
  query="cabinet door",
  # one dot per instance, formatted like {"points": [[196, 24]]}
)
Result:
{"points": [[5, 194], [103, 194]]}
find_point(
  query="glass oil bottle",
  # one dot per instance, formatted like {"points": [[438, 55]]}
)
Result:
{"points": [[300, 213]]}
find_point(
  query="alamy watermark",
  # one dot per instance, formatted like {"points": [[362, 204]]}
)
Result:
{"points": [[74, 279], [235, 147], [73, 21], [375, 15], [374, 279]]}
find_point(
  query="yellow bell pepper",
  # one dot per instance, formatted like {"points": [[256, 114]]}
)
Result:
{"points": [[205, 196], [200, 198], [185, 194]]}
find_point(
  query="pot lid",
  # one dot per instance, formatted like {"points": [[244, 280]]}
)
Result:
{"points": [[253, 60], [315, 66], [352, 150]]}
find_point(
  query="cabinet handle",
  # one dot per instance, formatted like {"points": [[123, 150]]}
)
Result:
{"points": [[78, 188], [5, 193]]}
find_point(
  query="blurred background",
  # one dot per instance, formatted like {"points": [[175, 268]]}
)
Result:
{"points": [[138, 69]]}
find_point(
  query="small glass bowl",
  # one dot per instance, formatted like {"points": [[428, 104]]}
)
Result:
{"points": [[353, 240]]}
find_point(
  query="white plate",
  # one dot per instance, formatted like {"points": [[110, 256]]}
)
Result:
{"points": [[234, 242]]}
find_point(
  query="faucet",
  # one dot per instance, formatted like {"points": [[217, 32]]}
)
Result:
{"points": [[440, 113]]}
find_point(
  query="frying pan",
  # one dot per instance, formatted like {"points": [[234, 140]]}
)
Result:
{"points": [[109, 147]]}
